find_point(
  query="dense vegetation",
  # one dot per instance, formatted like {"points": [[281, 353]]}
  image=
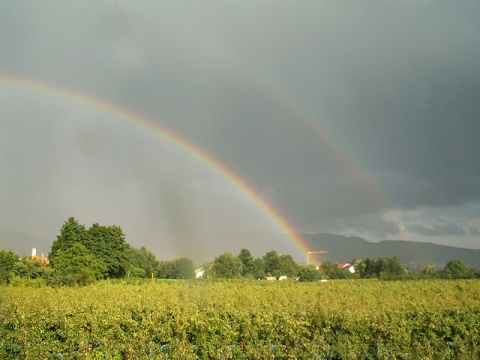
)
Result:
{"points": [[123, 310], [435, 319], [80, 256]]}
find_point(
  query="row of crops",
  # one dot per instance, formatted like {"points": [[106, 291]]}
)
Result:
{"points": [[435, 319]]}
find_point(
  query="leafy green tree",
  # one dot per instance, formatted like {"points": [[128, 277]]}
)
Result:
{"points": [[248, 263], [78, 257], [309, 273], [72, 232], [430, 271], [259, 268], [227, 266], [391, 268], [455, 269], [108, 245], [332, 271], [181, 268], [272, 263], [7, 262], [162, 269], [142, 259], [32, 269], [288, 266], [384, 268]]}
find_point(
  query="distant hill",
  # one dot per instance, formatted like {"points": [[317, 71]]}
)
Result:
{"points": [[414, 255]]}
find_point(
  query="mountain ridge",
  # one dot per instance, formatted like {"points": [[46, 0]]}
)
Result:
{"points": [[413, 254]]}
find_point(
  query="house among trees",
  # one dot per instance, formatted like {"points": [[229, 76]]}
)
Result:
{"points": [[199, 272], [39, 258], [347, 266]]}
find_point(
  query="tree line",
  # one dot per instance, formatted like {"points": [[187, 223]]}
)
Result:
{"points": [[82, 256]]}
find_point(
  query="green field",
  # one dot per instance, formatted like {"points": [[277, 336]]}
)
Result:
{"points": [[349, 319]]}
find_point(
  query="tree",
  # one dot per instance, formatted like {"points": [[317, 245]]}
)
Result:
{"points": [[288, 266], [309, 273], [248, 262], [32, 269], [77, 258], [227, 266], [71, 232], [162, 269], [108, 244], [430, 271], [332, 271], [141, 259], [455, 269], [7, 262], [272, 263], [181, 268], [259, 268], [391, 268]]}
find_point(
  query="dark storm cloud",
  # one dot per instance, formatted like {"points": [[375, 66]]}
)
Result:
{"points": [[394, 85], [475, 232], [442, 229]]}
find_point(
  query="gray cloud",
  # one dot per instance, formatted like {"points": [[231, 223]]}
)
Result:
{"points": [[443, 229]]}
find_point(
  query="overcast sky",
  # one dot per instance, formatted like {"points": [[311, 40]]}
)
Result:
{"points": [[354, 118]]}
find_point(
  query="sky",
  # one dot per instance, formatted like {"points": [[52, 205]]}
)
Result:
{"points": [[351, 118]]}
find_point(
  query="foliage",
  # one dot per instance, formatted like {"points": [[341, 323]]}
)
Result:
{"points": [[309, 273], [455, 269], [259, 268], [332, 271], [142, 262], [7, 262], [72, 232], [108, 244], [100, 251], [227, 266], [180, 268], [32, 269], [434, 319], [384, 268], [278, 265], [248, 263], [429, 271]]}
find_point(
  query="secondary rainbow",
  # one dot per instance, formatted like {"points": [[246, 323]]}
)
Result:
{"points": [[127, 115]]}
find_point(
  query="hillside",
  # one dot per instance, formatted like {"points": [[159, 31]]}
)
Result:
{"points": [[415, 255]]}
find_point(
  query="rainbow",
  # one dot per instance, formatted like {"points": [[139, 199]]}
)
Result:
{"points": [[127, 115], [280, 97]]}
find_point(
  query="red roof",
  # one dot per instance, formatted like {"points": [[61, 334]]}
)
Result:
{"points": [[42, 259]]}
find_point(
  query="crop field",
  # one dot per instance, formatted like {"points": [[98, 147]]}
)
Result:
{"points": [[350, 319]]}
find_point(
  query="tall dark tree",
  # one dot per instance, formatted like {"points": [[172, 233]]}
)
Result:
{"points": [[272, 263], [248, 263], [7, 262], [104, 244], [108, 244], [259, 268], [288, 266], [71, 232]]}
